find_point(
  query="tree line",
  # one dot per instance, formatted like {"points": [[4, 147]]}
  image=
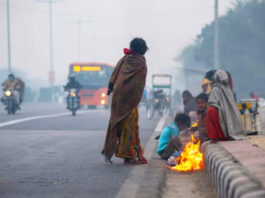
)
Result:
{"points": [[241, 46]]}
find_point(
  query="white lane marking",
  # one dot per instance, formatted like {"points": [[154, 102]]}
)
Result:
{"points": [[37, 118], [130, 187]]}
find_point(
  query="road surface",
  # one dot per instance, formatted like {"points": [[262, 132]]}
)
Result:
{"points": [[46, 152]]}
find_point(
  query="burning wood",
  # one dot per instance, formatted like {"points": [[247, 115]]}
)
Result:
{"points": [[191, 159]]}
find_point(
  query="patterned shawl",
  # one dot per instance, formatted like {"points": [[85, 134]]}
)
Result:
{"points": [[128, 80]]}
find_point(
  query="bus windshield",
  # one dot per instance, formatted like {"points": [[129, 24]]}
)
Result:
{"points": [[94, 79]]}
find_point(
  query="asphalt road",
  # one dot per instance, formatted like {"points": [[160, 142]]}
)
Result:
{"points": [[60, 156]]}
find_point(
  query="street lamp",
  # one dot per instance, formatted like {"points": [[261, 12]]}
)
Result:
{"points": [[51, 76], [79, 23], [8, 36], [216, 37]]}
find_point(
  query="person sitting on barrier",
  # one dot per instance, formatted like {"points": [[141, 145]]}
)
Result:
{"points": [[202, 100], [206, 86], [223, 119], [169, 141], [189, 102], [207, 81]]}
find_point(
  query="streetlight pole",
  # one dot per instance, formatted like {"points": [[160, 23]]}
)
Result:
{"points": [[51, 72], [79, 38], [216, 37], [8, 36], [79, 24]]}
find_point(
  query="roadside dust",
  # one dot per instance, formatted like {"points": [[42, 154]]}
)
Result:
{"points": [[188, 185]]}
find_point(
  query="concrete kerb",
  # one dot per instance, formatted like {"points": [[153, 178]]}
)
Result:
{"points": [[130, 187], [231, 179], [254, 194], [245, 188]]}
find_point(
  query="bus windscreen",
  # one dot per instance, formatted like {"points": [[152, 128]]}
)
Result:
{"points": [[92, 76]]}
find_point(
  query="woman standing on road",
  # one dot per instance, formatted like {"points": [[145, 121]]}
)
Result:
{"points": [[127, 83]]}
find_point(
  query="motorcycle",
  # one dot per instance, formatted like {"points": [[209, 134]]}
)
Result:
{"points": [[72, 101], [10, 100], [159, 102]]}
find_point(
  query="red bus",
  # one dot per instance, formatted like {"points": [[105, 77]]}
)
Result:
{"points": [[94, 78]]}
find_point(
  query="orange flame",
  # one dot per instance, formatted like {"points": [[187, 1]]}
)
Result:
{"points": [[191, 159]]}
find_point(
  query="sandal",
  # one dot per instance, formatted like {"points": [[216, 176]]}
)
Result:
{"points": [[107, 159], [142, 160], [131, 161]]}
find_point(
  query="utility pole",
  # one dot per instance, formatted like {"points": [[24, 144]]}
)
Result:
{"points": [[216, 37], [8, 36], [79, 24], [51, 76]]}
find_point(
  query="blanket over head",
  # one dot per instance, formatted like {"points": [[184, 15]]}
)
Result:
{"points": [[128, 82], [222, 98]]}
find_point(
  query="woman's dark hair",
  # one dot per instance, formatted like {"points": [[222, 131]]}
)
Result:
{"points": [[209, 75], [183, 119], [138, 45], [202, 96], [187, 93]]}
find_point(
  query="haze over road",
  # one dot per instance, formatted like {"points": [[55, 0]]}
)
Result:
{"points": [[60, 156]]}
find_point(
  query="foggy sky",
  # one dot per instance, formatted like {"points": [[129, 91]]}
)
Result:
{"points": [[167, 26]]}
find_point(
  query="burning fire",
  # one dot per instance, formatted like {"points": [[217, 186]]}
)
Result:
{"points": [[191, 159]]}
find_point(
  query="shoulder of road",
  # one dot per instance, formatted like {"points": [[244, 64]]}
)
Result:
{"points": [[236, 169], [156, 180]]}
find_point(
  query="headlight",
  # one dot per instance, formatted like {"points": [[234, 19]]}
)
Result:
{"points": [[103, 95], [8, 93], [103, 102], [72, 93]]}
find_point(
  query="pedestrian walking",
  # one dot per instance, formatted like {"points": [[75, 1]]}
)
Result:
{"points": [[127, 83]]}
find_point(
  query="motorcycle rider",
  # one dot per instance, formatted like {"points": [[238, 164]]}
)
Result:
{"points": [[16, 84], [73, 84]]}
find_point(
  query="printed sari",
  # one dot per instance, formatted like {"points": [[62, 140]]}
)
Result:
{"points": [[128, 82], [129, 142]]}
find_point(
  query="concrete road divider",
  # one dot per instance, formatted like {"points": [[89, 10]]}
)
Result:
{"points": [[230, 175]]}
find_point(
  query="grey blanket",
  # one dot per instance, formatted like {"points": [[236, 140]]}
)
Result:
{"points": [[222, 98]]}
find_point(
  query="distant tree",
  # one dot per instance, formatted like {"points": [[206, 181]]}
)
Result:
{"points": [[242, 46]]}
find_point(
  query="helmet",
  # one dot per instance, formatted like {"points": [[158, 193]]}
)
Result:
{"points": [[11, 76], [71, 77]]}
